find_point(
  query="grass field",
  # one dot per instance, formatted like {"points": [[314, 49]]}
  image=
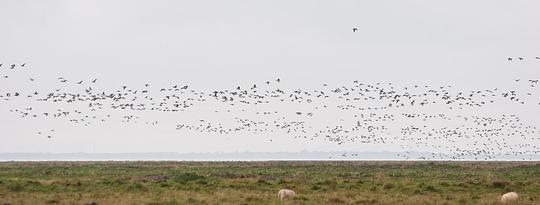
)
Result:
{"points": [[258, 182]]}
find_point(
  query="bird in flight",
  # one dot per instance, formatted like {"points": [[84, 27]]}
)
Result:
{"points": [[354, 29]]}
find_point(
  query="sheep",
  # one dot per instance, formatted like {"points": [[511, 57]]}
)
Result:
{"points": [[509, 198], [284, 194]]}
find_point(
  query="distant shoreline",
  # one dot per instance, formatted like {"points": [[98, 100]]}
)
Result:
{"points": [[242, 156], [255, 160]]}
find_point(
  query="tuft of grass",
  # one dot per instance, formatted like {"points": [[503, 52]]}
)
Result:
{"points": [[388, 186], [187, 177], [52, 201], [500, 183], [15, 187], [173, 202]]}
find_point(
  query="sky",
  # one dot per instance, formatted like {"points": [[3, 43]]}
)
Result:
{"points": [[222, 44]]}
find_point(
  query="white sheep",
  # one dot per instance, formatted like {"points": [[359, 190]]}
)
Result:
{"points": [[509, 198], [286, 194]]}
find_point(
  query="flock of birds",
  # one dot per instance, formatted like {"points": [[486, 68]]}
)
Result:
{"points": [[521, 58], [426, 122]]}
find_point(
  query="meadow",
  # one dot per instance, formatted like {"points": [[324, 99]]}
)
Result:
{"points": [[358, 182]]}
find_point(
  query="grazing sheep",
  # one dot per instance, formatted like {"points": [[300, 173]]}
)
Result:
{"points": [[509, 198], [286, 194]]}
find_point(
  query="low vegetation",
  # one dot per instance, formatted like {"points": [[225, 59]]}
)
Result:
{"points": [[168, 183]]}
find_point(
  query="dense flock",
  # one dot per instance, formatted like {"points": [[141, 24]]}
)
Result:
{"points": [[425, 121]]}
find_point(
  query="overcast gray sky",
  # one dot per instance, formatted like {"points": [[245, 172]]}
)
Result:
{"points": [[221, 44]]}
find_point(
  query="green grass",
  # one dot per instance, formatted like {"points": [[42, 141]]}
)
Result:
{"points": [[167, 183]]}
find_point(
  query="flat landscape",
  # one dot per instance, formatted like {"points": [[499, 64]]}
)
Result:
{"points": [[315, 182]]}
